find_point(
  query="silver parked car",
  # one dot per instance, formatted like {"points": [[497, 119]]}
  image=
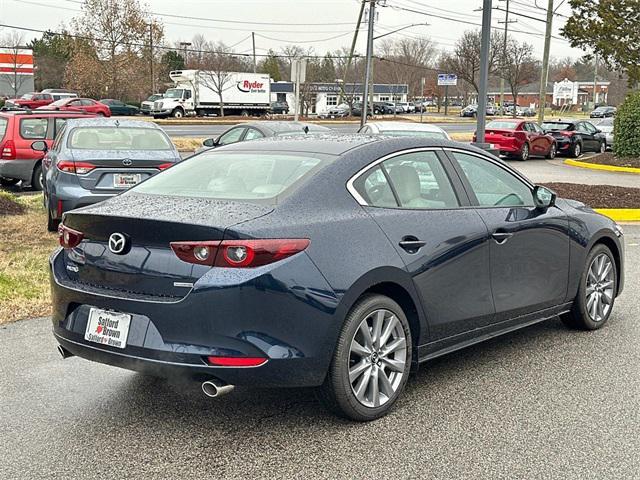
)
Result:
{"points": [[606, 126], [405, 129], [94, 159]]}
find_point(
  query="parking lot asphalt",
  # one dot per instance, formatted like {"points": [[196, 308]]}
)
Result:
{"points": [[544, 402]]}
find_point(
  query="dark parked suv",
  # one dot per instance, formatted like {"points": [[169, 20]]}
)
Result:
{"points": [[18, 130]]}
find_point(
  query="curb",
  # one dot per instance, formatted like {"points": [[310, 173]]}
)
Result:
{"points": [[621, 214], [599, 166]]}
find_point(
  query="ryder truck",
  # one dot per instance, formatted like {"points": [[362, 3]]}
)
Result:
{"points": [[196, 93]]}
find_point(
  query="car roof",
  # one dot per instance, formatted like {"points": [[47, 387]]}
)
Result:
{"points": [[283, 126], [571, 121], [47, 113], [110, 122], [408, 126]]}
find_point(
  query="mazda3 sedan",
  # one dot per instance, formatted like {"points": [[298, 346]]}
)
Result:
{"points": [[336, 262]]}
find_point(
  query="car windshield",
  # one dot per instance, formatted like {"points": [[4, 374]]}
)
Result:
{"points": [[118, 138], [502, 125], [414, 133], [27, 96], [556, 126], [235, 175], [173, 93]]}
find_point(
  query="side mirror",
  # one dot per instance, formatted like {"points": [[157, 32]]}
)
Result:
{"points": [[598, 130], [210, 142], [543, 197], [40, 146]]}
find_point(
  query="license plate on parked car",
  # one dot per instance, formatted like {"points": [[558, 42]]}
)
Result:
{"points": [[107, 328], [124, 180]]}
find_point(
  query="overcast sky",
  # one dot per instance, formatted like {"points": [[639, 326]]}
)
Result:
{"points": [[324, 25]]}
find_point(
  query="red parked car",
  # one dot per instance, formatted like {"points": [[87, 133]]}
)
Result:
{"points": [[30, 100], [79, 105], [520, 139], [18, 130]]}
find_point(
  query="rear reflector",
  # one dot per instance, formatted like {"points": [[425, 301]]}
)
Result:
{"points": [[236, 361], [68, 237], [238, 253], [75, 167], [164, 166]]}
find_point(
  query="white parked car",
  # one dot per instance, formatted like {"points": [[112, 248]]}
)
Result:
{"points": [[405, 129], [406, 107]]}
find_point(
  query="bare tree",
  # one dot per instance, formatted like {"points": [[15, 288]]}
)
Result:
{"points": [[13, 42], [216, 74], [517, 67], [464, 61]]}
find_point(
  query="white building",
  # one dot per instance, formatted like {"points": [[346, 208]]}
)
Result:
{"points": [[320, 97], [567, 92]]}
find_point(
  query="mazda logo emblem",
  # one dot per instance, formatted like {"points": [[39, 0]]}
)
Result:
{"points": [[127, 162], [117, 243]]}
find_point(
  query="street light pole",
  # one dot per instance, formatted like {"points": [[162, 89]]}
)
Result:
{"points": [[504, 53], [367, 76], [545, 64], [484, 71]]}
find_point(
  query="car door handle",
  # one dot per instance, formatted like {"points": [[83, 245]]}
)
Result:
{"points": [[501, 237], [411, 244]]}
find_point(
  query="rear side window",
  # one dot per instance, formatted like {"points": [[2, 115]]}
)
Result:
{"points": [[34, 128], [118, 138], [234, 175], [3, 126]]}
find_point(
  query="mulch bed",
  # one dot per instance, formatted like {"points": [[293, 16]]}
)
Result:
{"points": [[598, 196], [610, 159], [9, 207]]}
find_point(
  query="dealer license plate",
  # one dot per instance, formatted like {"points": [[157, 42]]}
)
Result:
{"points": [[107, 328], [126, 180]]}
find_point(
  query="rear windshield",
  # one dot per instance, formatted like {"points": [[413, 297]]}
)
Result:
{"points": [[3, 127], [235, 175], [414, 133], [557, 126], [502, 125], [118, 138]]}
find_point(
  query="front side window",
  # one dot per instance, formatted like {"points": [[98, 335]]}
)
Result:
{"points": [[492, 185], [232, 136], [33, 128], [118, 138], [234, 175]]}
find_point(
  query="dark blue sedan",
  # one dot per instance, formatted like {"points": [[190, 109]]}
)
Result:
{"points": [[333, 262]]}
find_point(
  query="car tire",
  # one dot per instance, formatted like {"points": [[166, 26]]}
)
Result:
{"points": [[376, 397], [177, 113], [553, 150], [37, 181], [524, 153], [598, 287], [52, 223], [8, 182], [576, 150]]}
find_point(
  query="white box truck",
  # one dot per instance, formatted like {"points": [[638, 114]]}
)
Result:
{"points": [[196, 93]]}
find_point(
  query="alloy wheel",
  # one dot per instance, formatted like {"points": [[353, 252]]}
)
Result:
{"points": [[552, 152], [600, 288], [377, 358], [525, 152], [603, 147]]}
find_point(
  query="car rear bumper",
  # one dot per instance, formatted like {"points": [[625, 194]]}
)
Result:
{"points": [[266, 316], [21, 168]]}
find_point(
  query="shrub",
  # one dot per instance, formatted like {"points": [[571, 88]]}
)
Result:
{"points": [[626, 141]]}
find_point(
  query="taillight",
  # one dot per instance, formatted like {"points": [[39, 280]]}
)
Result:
{"points": [[68, 237], [75, 167], [236, 361], [164, 166], [238, 253], [9, 150]]}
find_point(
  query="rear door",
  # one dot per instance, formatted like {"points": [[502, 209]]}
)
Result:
{"points": [[424, 213], [529, 248], [589, 142], [539, 142]]}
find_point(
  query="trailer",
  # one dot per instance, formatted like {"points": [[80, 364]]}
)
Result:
{"points": [[196, 92]]}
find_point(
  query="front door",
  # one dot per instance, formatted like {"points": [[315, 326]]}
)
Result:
{"points": [[420, 207], [529, 247]]}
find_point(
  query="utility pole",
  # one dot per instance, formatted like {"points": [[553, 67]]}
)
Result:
{"points": [[484, 71], [253, 40], [351, 52], [368, 68], [545, 64], [504, 52], [153, 80], [595, 83]]}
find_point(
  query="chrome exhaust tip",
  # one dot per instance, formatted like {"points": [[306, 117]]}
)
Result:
{"points": [[213, 390], [64, 353]]}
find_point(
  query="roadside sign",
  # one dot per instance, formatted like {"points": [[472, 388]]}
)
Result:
{"points": [[445, 79], [299, 70]]}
